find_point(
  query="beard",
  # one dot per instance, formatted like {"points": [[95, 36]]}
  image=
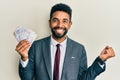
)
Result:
{"points": [[57, 35]]}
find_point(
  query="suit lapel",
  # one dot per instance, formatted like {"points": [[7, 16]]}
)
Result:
{"points": [[47, 56], [68, 55]]}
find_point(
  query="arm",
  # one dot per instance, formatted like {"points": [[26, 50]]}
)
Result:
{"points": [[26, 73], [95, 69]]}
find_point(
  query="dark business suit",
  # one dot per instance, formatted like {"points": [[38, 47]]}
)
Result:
{"points": [[74, 67]]}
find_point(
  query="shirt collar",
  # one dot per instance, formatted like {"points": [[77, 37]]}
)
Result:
{"points": [[54, 42]]}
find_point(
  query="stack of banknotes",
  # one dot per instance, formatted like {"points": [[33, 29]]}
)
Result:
{"points": [[22, 33]]}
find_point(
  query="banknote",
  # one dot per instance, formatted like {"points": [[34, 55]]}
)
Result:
{"points": [[22, 33]]}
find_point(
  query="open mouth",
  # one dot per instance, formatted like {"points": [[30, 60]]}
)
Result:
{"points": [[59, 31]]}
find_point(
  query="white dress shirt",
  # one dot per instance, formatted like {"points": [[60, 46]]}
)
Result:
{"points": [[62, 54]]}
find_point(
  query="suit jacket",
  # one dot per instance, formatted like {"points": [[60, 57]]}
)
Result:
{"points": [[74, 66]]}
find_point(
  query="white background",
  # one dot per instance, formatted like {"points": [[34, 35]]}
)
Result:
{"points": [[96, 23]]}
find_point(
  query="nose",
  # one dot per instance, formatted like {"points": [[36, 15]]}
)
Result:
{"points": [[59, 24]]}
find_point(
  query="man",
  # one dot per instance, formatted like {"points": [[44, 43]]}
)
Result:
{"points": [[69, 62]]}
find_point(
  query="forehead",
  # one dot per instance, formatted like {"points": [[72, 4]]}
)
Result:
{"points": [[61, 15]]}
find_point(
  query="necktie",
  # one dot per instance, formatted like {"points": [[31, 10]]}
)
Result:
{"points": [[56, 63]]}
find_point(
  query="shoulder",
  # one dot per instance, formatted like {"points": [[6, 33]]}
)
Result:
{"points": [[76, 46], [41, 41], [75, 43]]}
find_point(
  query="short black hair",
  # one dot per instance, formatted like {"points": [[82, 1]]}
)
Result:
{"points": [[61, 7]]}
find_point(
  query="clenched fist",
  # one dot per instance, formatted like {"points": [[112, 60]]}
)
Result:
{"points": [[22, 48], [107, 53]]}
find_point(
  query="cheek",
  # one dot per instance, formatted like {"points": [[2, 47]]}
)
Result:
{"points": [[53, 25], [69, 26]]}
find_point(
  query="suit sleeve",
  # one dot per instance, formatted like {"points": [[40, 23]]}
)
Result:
{"points": [[91, 72], [27, 73]]}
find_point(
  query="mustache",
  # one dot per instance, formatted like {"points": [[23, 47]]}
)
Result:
{"points": [[59, 28]]}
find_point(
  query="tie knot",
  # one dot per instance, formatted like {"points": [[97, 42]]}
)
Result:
{"points": [[58, 45]]}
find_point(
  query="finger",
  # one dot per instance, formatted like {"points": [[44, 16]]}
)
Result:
{"points": [[104, 50], [22, 41], [107, 47], [21, 47], [21, 44], [108, 51], [24, 49], [112, 51]]}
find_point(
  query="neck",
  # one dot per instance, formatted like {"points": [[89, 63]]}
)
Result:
{"points": [[59, 39]]}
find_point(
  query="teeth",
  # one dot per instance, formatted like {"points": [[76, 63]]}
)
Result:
{"points": [[59, 30]]}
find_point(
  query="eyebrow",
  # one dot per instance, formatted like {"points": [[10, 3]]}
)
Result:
{"points": [[63, 19], [54, 18]]}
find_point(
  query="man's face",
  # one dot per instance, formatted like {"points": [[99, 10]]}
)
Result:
{"points": [[59, 24]]}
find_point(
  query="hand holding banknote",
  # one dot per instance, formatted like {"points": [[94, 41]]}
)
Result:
{"points": [[22, 48], [25, 37]]}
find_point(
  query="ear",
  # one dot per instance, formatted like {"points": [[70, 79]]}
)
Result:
{"points": [[70, 24]]}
